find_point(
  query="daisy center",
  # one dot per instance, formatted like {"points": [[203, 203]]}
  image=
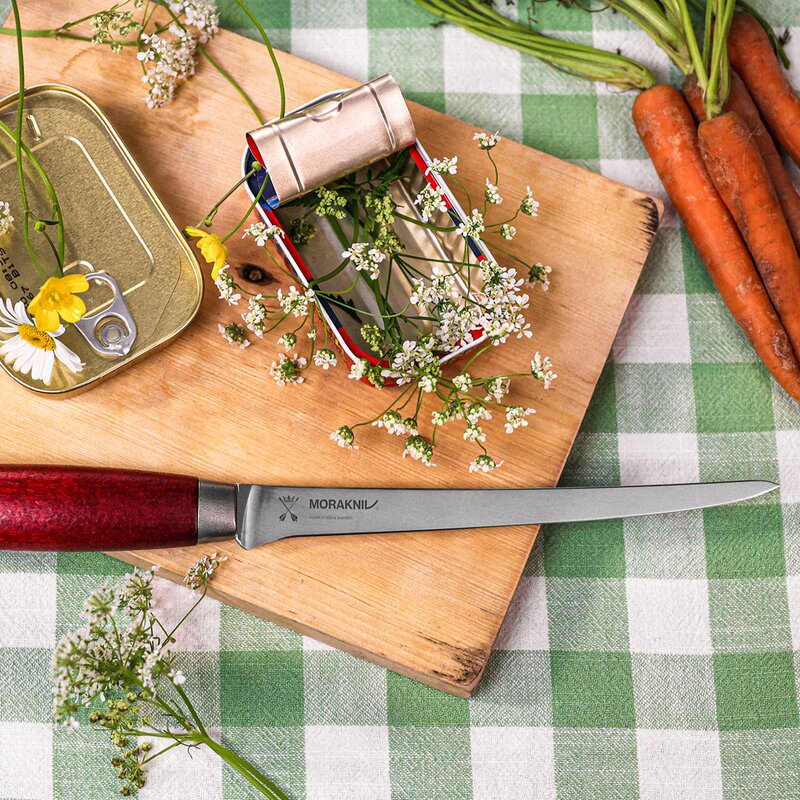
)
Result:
{"points": [[36, 337]]}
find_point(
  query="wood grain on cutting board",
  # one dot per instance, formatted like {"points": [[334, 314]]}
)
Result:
{"points": [[428, 605]]}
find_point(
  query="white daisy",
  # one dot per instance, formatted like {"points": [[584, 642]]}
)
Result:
{"points": [[30, 350]]}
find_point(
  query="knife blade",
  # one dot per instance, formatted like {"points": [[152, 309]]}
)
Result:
{"points": [[84, 508]]}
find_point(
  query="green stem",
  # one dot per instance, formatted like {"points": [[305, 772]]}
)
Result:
{"points": [[233, 82], [208, 218], [249, 210], [578, 60], [58, 221], [265, 38], [246, 770]]}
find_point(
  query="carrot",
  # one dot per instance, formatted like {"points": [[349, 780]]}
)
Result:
{"points": [[739, 175], [740, 101], [752, 57], [667, 130]]}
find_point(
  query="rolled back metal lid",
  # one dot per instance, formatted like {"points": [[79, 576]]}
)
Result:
{"points": [[330, 137]]}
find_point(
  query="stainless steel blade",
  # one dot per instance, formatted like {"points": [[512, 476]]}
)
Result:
{"points": [[268, 513]]}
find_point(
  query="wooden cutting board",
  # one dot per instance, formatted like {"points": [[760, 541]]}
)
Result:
{"points": [[428, 605]]}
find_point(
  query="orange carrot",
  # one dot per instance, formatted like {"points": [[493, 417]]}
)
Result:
{"points": [[753, 58], [667, 130], [739, 175], [740, 101]]}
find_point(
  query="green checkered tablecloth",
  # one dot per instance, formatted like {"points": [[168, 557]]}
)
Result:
{"points": [[653, 658]]}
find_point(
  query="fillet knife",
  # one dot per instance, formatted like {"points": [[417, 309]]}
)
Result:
{"points": [[87, 508]]}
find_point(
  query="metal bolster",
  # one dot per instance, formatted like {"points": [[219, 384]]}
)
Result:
{"points": [[216, 511]]}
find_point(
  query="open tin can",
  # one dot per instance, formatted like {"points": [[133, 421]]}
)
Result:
{"points": [[145, 285], [347, 133]]}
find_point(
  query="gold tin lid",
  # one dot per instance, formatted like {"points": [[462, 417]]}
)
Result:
{"points": [[332, 136], [145, 284]]}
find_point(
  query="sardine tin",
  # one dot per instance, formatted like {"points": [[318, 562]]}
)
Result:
{"points": [[115, 226], [314, 261]]}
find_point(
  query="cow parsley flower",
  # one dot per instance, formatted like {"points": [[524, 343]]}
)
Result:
{"points": [[288, 369], [255, 318], [508, 231], [463, 382], [540, 273], [515, 417], [365, 258], [419, 449], [528, 205], [119, 671], [492, 194], [227, 287], [484, 463], [473, 226], [486, 141], [474, 433], [234, 334], [6, 220], [168, 62], [395, 425], [325, 358], [344, 437], [288, 341], [262, 233], [542, 370], [200, 14], [443, 166], [429, 201], [497, 388], [295, 302]]}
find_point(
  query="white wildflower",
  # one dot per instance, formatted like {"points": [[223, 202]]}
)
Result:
{"points": [[429, 201], [473, 226], [497, 388], [344, 437], [542, 369], [255, 319], [528, 205], [227, 287], [6, 220], [443, 166], [177, 677], [395, 425], [200, 14], [262, 233], [199, 574], [419, 449], [484, 463], [486, 141], [428, 383], [463, 382], [474, 433], [492, 194], [365, 258], [288, 369], [288, 341], [540, 273], [359, 369], [508, 231], [168, 62], [515, 417], [325, 358], [295, 302], [476, 412]]}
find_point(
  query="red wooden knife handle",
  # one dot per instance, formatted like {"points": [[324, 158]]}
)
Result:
{"points": [[83, 508]]}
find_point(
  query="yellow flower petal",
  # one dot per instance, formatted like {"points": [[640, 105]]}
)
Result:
{"points": [[74, 283], [47, 319], [72, 308], [194, 232]]}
